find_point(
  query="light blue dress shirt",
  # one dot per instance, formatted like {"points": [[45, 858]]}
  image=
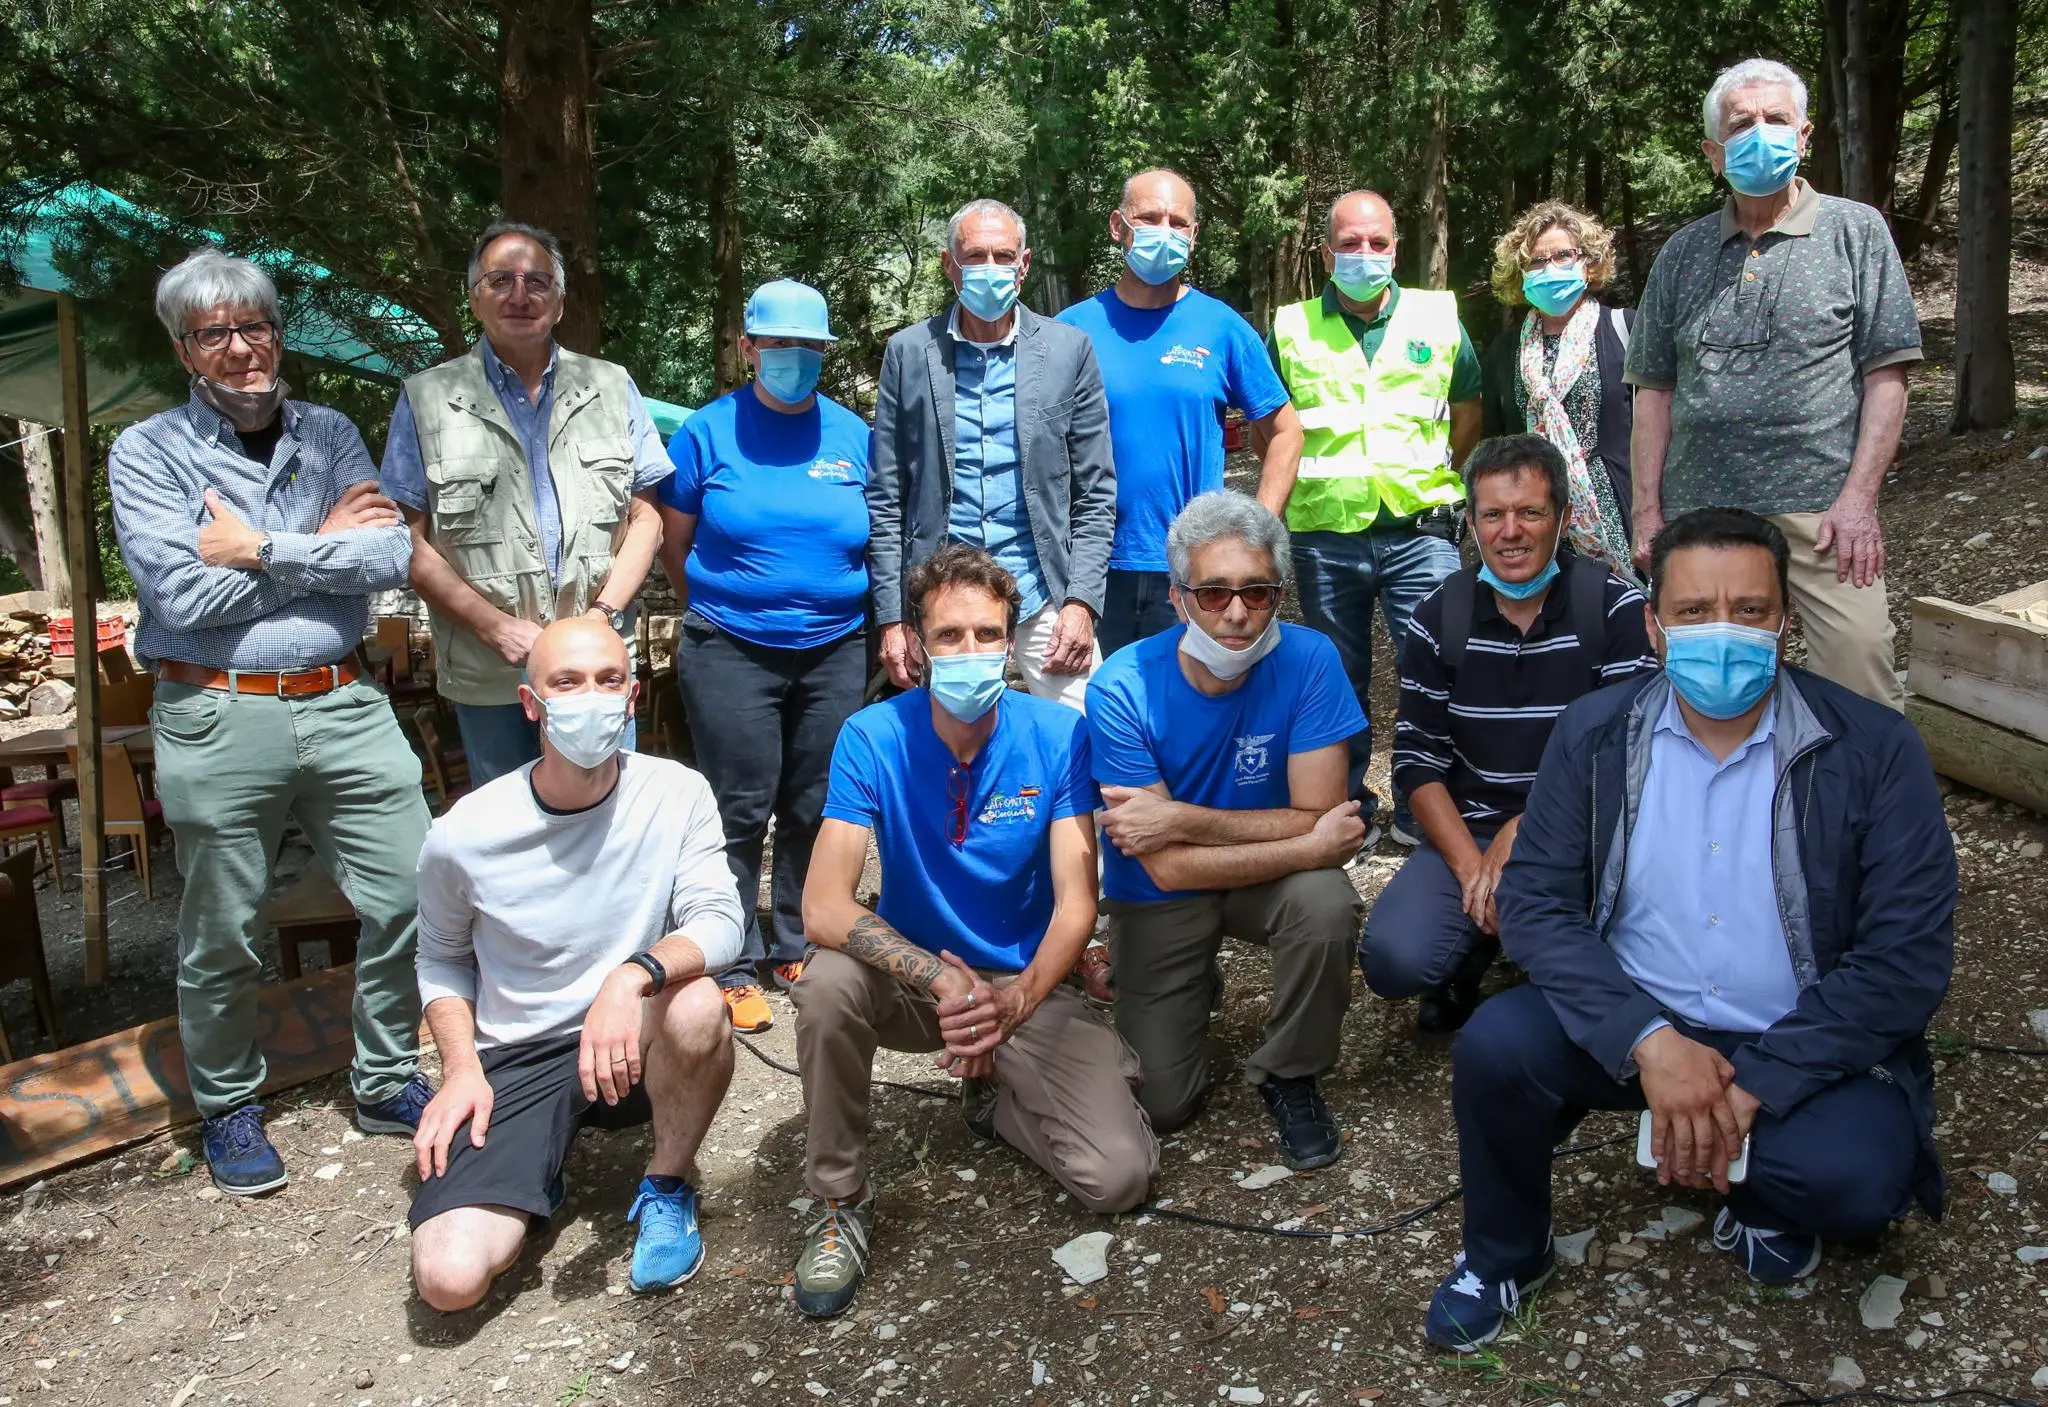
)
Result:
{"points": [[404, 473], [1698, 926], [988, 508]]}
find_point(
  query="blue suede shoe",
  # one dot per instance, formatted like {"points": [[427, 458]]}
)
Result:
{"points": [[1467, 1311], [1770, 1257], [401, 1112], [238, 1154], [668, 1249]]}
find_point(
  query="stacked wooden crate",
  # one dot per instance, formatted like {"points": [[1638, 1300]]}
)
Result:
{"points": [[1978, 677]]}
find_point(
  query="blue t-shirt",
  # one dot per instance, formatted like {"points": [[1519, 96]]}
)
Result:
{"points": [[1228, 752], [780, 557], [1169, 374], [987, 900]]}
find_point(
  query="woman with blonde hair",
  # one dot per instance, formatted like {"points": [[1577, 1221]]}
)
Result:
{"points": [[1556, 371]]}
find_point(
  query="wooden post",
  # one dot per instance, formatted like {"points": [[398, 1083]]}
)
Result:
{"points": [[83, 541]]}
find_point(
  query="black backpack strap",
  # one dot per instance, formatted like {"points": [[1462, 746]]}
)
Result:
{"points": [[1460, 593], [1589, 612]]}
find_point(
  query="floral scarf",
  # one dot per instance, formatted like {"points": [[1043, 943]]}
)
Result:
{"points": [[1591, 532]]}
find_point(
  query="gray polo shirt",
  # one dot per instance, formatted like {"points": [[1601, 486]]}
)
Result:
{"points": [[1764, 346]]}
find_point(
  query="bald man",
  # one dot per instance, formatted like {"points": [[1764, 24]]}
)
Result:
{"points": [[1173, 360], [1387, 384], [569, 911]]}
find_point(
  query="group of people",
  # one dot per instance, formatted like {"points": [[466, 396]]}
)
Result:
{"points": [[1729, 881]]}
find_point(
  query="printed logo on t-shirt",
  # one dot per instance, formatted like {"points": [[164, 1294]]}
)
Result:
{"points": [[832, 471], [1196, 357], [1254, 760], [1008, 810], [1419, 352]]}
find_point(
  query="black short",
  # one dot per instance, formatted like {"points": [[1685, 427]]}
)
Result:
{"points": [[536, 1111]]}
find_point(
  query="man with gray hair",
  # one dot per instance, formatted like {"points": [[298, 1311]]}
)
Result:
{"points": [[255, 532], [1769, 359], [527, 473], [1221, 749], [991, 429]]}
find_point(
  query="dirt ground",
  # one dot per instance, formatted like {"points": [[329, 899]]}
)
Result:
{"points": [[131, 1281]]}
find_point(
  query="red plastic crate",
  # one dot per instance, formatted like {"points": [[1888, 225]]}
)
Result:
{"points": [[113, 631]]}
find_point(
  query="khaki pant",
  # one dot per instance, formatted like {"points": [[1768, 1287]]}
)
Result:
{"points": [[1033, 636], [1064, 1083], [1162, 956], [1848, 628]]}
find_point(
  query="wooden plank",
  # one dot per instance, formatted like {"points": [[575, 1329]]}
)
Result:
{"points": [[1992, 666], [1982, 755], [82, 542], [74, 1104], [2019, 600]]}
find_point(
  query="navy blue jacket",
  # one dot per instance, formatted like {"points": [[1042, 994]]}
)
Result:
{"points": [[1863, 865]]}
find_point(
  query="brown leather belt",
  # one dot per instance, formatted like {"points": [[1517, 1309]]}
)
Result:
{"points": [[295, 684]]}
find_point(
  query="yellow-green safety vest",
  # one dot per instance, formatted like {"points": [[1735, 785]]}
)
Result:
{"points": [[1377, 434]]}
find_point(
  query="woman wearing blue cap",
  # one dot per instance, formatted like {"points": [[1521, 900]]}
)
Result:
{"points": [[764, 536]]}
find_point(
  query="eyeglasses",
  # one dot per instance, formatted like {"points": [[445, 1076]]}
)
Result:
{"points": [[499, 283], [1259, 596], [212, 339], [960, 786], [1557, 260]]}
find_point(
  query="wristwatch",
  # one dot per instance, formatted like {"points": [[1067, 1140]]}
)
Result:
{"points": [[651, 965], [615, 619], [263, 552]]}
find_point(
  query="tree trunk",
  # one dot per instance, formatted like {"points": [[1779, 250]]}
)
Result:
{"points": [[1915, 229], [547, 146], [1872, 75], [1631, 237], [45, 512], [1435, 215], [1984, 364], [728, 318], [1595, 182], [1824, 156]]}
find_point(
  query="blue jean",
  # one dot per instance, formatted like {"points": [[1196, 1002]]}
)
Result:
{"points": [[1418, 936], [499, 738], [1839, 1165], [1134, 605], [1338, 576]]}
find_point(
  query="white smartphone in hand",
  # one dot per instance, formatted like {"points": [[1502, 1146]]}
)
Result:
{"points": [[1738, 1170]]}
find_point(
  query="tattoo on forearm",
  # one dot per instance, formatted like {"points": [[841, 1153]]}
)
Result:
{"points": [[875, 943]]}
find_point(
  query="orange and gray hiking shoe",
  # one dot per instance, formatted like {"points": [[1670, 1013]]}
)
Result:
{"points": [[835, 1257], [748, 1007], [788, 974]]}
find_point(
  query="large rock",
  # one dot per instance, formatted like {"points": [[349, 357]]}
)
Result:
{"points": [[1881, 1303], [51, 696]]}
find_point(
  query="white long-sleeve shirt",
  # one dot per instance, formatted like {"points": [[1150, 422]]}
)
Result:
{"points": [[525, 911]]}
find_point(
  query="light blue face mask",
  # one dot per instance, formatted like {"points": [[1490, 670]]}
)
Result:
{"points": [[1157, 252], [1521, 590], [988, 290], [966, 686], [1552, 291], [790, 373], [1361, 275], [1720, 668], [1761, 160]]}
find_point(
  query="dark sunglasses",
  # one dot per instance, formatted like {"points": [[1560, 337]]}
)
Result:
{"points": [[1259, 596], [960, 786]]}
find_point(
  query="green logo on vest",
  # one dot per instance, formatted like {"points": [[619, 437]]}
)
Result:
{"points": [[1418, 352]]}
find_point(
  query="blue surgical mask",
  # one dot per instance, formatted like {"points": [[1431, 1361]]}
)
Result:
{"points": [[1761, 160], [1551, 290], [1157, 252], [1521, 590], [1361, 275], [1720, 668], [790, 373], [966, 686], [988, 290]]}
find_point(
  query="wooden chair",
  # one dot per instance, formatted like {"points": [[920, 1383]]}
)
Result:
{"points": [[312, 909], [125, 702], [50, 793], [21, 943], [447, 771], [39, 825], [126, 813]]}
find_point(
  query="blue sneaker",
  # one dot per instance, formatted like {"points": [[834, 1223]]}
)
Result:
{"points": [[401, 1112], [1770, 1257], [238, 1154], [668, 1249], [1467, 1311]]}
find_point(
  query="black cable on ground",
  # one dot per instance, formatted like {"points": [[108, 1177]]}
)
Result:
{"points": [[772, 1063], [2033, 1050], [1802, 1398]]}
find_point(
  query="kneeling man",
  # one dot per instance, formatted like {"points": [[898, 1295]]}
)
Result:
{"points": [[568, 913], [1733, 894], [988, 893], [1221, 746]]}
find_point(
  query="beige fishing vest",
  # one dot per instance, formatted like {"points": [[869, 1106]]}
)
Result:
{"points": [[480, 503]]}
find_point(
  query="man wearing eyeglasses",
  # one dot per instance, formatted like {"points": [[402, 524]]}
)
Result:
{"points": [[980, 804], [1221, 748], [528, 474], [255, 532]]}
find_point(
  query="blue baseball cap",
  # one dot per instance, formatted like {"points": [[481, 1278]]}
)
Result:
{"points": [[786, 308]]}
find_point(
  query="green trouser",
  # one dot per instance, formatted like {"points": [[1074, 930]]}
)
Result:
{"points": [[231, 769]]}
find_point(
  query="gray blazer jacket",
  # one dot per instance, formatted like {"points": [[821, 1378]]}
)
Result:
{"points": [[1068, 478]]}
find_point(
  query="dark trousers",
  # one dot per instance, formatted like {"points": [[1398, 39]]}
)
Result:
{"points": [[763, 722], [1839, 1165], [1418, 936], [1134, 605]]}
